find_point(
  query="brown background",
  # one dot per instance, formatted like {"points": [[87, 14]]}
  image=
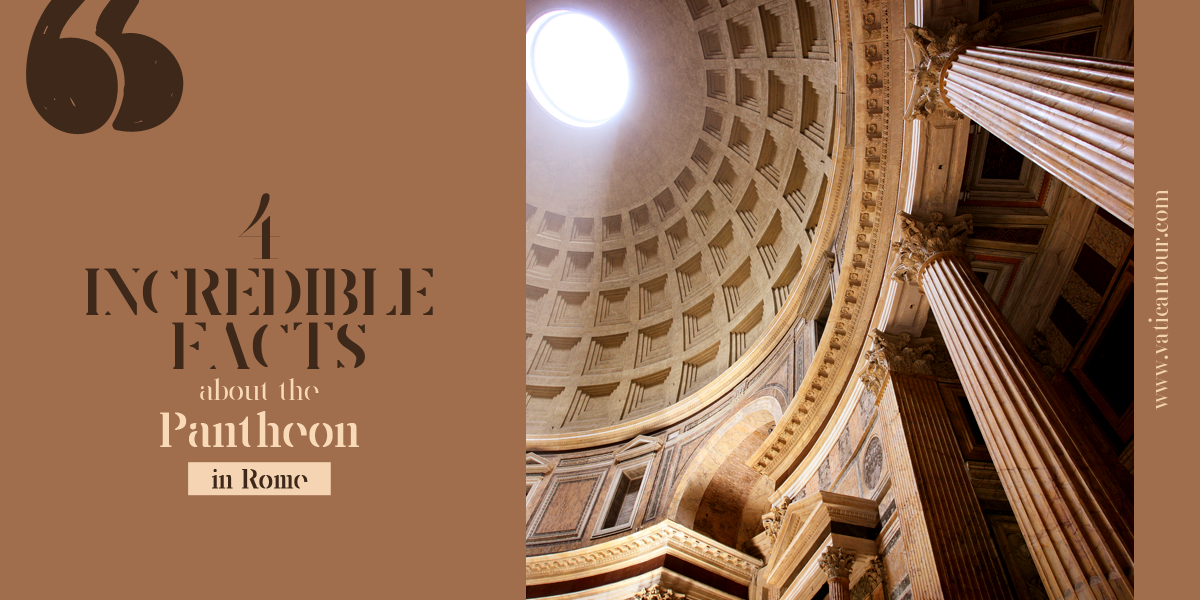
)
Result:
{"points": [[1166, 487], [388, 136]]}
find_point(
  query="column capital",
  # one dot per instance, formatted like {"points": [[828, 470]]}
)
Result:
{"points": [[657, 592], [922, 238], [837, 562], [773, 520], [934, 52], [876, 574], [900, 352]]}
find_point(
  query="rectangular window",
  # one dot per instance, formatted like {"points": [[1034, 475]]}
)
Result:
{"points": [[620, 512], [624, 500]]}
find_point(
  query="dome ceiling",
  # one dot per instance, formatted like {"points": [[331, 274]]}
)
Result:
{"points": [[662, 244]]}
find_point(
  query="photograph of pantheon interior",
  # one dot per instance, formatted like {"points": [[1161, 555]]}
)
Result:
{"points": [[829, 299]]}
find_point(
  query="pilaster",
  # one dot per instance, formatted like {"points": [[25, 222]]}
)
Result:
{"points": [[947, 545]]}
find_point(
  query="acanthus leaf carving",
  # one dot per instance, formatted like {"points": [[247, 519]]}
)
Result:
{"points": [[837, 562], [773, 520], [921, 238], [933, 53], [657, 592], [900, 353], [876, 573]]}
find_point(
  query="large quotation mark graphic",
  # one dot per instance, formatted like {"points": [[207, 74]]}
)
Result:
{"points": [[73, 83]]}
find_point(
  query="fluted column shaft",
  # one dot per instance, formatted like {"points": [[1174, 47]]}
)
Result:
{"points": [[1071, 115], [839, 588], [1075, 518], [947, 544]]}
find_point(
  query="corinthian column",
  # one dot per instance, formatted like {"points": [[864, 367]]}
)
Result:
{"points": [[837, 564], [1074, 510], [945, 536], [1071, 115]]}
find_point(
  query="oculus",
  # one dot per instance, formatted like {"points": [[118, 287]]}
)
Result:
{"points": [[575, 68]]}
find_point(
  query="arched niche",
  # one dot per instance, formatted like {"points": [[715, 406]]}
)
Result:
{"points": [[719, 495]]}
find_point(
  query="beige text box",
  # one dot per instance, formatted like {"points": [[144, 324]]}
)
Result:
{"points": [[260, 479]]}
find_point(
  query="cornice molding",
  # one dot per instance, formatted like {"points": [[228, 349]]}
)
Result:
{"points": [[876, 182], [536, 465], [806, 526], [665, 537]]}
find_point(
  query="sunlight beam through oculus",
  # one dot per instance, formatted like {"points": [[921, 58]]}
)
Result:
{"points": [[575, 68]]}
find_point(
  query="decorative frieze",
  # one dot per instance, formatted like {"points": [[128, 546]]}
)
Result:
{"points": [[665, 537]]}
